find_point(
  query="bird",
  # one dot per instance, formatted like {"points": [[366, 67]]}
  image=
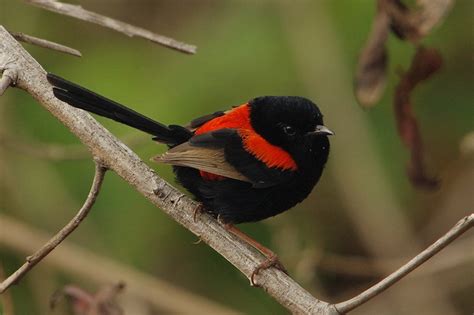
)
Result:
{"points": [[248, 163]]}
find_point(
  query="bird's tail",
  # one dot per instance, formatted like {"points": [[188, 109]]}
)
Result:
{"points": [[80, 97]]}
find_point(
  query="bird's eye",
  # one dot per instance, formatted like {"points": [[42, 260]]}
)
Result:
{"points": [[289, 130]]}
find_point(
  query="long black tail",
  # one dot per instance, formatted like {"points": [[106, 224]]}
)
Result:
{"points": [[80, 97]]}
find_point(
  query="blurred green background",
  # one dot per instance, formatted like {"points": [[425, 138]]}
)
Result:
{"points": [[362, 218]]}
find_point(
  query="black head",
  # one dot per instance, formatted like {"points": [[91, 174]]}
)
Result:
{"points": [[293, 123]]}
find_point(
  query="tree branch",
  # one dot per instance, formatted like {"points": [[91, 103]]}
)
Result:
{"points": [[116, 156], [78, 12], [45, 44], [462, 226], [6, 301], [357, 266], [32, 260]]}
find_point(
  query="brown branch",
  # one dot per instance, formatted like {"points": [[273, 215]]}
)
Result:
{"points": [[98, 270], [32, 260], [6, 302], [45, 44], [462, 226], [456, 255], [78, 12]]}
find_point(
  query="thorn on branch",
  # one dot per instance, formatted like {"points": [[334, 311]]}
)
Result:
{"points": [[8, 78]]}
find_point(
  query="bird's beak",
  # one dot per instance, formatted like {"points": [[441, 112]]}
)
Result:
{"points": [[321, 130]]}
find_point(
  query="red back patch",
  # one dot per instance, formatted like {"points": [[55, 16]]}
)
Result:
{"points": [[239, 118]]}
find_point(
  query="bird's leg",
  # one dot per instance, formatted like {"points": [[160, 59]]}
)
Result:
{"points": [[272, 258]]}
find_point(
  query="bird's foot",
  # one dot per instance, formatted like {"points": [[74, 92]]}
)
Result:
{"points": [[271, 261], [197, 211]]}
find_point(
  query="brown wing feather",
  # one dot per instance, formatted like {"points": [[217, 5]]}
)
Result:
{"points": [[211, 160]]}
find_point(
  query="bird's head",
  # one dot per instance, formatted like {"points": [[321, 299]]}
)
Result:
{"points": [[292, 123]]}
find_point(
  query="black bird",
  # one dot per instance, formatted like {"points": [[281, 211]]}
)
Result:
{"points": [[246, 164]]}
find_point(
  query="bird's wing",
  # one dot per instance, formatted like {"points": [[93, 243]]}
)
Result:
{"points": [[211, 160], [221, 152]]}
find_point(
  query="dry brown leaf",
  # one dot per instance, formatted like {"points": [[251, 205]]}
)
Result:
{"points": [[425, 63], [371, 71], [85, 303], [406, 23]]}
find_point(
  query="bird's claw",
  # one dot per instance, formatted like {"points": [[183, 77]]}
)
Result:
{"points": [[197, 211], [271, 261]]}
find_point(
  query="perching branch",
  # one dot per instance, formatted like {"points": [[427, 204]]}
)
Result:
{"points": [[32, 260], [45, 44], [462, 226], [78, 12]]}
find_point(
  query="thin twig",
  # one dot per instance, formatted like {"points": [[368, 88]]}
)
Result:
{"points": [[456, 255], [96, 270], [8, 78], [6, 301], [45, 44], [462, 226], [32, 260], [78, 12]]}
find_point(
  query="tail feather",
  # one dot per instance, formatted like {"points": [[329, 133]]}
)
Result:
{"points": [[82, 98]]}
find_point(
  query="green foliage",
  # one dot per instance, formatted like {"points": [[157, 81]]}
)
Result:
{"points": [[243, 51]]}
